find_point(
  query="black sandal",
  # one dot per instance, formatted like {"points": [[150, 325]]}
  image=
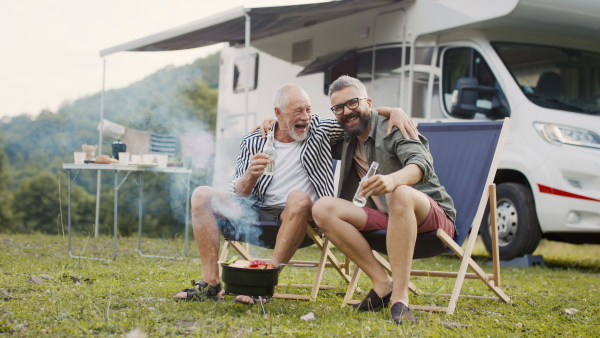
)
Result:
{"points": [[201, 290]]}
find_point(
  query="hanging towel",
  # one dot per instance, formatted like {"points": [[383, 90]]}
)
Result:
{"points": [[137, 141], [199, 146], [162, 144], [111, 129]]}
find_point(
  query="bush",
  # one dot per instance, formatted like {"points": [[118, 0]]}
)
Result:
{"points": [[39, 205]]}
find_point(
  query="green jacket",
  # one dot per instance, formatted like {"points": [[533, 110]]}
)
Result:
{"points": [[393, 152]]}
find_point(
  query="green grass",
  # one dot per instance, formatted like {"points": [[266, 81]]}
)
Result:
{"points": [[112, 298]]}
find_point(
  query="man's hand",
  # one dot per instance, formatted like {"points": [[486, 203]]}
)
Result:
{"points": [[264, 126], [399, 119], [383, 184], [258, 164], [378, 185]]}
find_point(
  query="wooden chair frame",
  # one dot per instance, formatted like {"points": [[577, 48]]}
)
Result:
{"points": [[327, 259], [492, 281]]}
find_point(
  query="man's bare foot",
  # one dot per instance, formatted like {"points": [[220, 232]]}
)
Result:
{"points": [[250, 300]]}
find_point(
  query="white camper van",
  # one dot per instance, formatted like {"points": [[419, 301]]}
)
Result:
{"points": [[537, 61]]}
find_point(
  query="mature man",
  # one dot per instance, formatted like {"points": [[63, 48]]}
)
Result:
{"points": [[406, 197], [303, 173]]}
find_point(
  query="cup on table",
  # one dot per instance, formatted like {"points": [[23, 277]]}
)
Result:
{"points": [[123, 158], [162, 160], [136, 159], [78, 157], [149, 158]]}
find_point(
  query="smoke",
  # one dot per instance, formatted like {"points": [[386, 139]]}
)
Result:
{"points": [[242, 220]]}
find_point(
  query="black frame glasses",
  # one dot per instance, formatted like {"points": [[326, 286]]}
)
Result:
{"points": [[339, 108]]}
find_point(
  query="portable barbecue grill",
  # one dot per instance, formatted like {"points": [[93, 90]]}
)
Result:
{"points": [[257, 283]]}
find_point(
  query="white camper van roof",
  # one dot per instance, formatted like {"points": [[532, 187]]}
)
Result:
{"points": [[575, 18], [228, 26]]}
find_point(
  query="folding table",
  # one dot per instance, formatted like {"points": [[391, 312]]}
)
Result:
{"points": [[128, 169]]}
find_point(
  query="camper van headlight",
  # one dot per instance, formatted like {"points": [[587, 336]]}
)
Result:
{"points": [[559, 134]]}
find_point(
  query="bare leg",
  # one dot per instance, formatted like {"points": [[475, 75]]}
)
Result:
{"points": [[408, 209], [208, 204], [340, 220], [294, 219]]}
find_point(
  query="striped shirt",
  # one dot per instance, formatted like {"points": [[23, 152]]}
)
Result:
{"points": [[315, 156]]}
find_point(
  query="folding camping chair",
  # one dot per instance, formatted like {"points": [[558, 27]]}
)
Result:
{"points": [[266, 239], [465, 157]]}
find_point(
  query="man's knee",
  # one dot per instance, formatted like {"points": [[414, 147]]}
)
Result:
{"points": [[202, 195], [298, 201], [401, 199], [324, 210]]}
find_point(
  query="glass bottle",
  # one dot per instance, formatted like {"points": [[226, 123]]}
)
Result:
{"points": [[362, 200], [270, 150]]}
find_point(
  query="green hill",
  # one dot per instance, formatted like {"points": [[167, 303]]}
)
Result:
{"points": [[172, 100]]}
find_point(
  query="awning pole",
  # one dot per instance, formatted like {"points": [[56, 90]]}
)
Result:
{"points": [[247, 77], [97, 221]]}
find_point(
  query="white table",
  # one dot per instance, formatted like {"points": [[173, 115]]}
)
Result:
{"points": [[128, 169]]}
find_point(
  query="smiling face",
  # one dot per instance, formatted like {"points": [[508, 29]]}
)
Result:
{"points": [[355, 122], [294, 119]]}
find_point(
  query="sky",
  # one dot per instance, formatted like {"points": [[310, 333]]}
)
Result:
{"points": [[49, 50]]}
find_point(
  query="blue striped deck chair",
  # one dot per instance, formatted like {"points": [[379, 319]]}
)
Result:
{"points": [[265, 237], [465, 157]]}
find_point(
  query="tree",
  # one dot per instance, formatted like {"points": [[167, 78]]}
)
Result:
{"points": [[39, 205], [173, 100], [4, 210]]}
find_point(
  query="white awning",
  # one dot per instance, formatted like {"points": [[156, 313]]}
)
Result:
{"points": [[229, 26]]}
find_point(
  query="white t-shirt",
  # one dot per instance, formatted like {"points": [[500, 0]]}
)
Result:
{"points": [[289, 175]]}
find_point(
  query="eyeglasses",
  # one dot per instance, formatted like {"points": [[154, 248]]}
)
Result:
{"points": [[351, 104]]}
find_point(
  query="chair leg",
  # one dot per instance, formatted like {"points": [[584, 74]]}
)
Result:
{"points": [[223, 255], [494, 234], [242, 250], [468, 262], [330, 257], [346, 265], [352, 286], [320, 270]]}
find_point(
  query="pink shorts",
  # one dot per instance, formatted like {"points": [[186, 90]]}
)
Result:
{"points": [[437, 219]]}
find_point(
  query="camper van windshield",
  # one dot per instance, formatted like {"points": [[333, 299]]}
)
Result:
{"points": [[554, 77]]}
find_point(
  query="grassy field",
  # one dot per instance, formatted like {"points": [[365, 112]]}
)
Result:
{"points": [[44, 292]]}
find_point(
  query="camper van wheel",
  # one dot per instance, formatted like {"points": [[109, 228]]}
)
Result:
{"points": [[518, 227]]}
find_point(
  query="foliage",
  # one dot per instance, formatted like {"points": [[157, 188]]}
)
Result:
{"points": [[38, 205], [83, 297], [5, 217], [173, 100]]}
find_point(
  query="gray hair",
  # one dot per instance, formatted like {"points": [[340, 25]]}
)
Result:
{"points": [[345, 81], [280, 99]]}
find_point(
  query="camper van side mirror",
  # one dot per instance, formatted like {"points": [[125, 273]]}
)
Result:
{"points": [[466, 96]]}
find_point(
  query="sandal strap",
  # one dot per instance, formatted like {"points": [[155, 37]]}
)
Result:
{"points": [[203, 288], [202, 284]]}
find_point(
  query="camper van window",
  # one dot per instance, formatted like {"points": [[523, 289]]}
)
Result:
{"points": [[420, 84], [345, 65], [554, 77], [240, 73], [423, 55], [384, 86], [459, 63]]}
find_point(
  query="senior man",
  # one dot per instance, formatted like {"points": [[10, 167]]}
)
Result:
{"points": [[303, 174]]}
